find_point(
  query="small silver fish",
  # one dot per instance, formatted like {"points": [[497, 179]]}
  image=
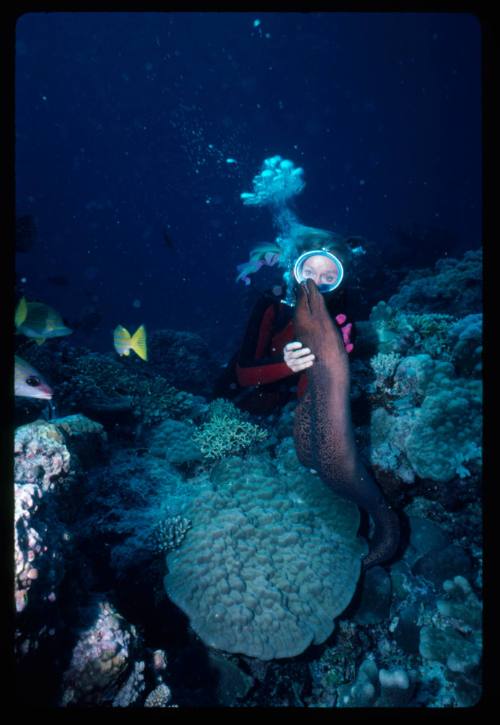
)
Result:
{"points": [[28, 383]]}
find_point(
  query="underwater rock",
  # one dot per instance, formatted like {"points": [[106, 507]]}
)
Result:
{"points": [[425, 536], [375, 597], [47, 466], [159, 697], [232, 683], [374, 687], [133, 687], [441, 564], [101, 659], [452, 636], [407, 632]]}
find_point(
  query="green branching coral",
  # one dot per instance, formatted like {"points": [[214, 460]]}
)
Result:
{"points": [[226, 433]]}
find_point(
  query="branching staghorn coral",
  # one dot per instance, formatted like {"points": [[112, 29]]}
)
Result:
{"points": [[227, 432]]}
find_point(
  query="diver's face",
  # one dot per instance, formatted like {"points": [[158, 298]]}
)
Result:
{"points": [[320, 269]]}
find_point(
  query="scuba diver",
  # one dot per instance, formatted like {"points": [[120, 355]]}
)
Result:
{"points": [[268, 370]]}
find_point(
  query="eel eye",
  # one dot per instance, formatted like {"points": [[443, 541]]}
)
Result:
{"points": [[33, 381]]}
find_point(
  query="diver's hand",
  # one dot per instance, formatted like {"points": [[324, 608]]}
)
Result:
{"points": [[300, 358], [297, 358], [346, 331]]}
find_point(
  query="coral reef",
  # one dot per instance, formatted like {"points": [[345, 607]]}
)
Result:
{"points": [[100, 660], [450, 644], [134, 506], [108, 388], [260, 555], [169, 533], [269, 563], [176, 442], [132, 688], [184, 360], [434, 429], [374, 687], [45, 473], [453, 284], [227, 432], [466, 340], [402, 332], [453, 636], [384, 366]]}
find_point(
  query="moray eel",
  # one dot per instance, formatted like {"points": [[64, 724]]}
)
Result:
{"points": [[323, 432]]}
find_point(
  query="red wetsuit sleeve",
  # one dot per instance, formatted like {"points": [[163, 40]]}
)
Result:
{"points": [[261, 374], [253, 367]]}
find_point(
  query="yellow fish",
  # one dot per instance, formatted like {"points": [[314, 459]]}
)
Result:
{"points": [[125, 342], [39, 321]]}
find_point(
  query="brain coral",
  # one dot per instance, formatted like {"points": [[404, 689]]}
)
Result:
{"points": [[270, 561]]}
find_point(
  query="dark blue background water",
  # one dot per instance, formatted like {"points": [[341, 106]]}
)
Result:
{"points": [[124, 123]]}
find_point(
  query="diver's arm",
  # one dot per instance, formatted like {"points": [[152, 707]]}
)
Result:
{"points": [[253, 367]]}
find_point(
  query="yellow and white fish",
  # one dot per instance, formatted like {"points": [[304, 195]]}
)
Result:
{"points": [[125, 342], [39, 321]]}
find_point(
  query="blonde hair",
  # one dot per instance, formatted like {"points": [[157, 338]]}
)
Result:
{"points": [[307, 238]]}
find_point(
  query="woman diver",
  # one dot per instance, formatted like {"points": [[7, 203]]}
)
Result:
{"points": [[268, 370]]}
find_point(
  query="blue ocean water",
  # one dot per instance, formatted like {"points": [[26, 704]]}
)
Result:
{"points": [[125, 122], [136, 134]]}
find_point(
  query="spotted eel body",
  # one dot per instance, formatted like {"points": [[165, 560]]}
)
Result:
{"points": [[323, 432]]}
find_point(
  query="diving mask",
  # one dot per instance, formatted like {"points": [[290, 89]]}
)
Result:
{"points": [[323, 267]]}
